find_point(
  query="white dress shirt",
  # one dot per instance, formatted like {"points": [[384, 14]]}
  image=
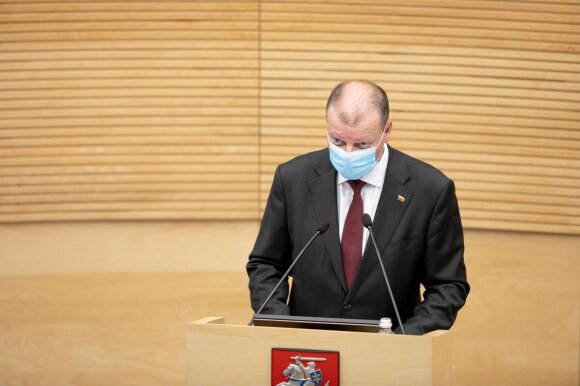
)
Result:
{"points": [[370, 193]]}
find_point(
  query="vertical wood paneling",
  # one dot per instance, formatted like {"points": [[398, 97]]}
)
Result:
{"points": [[128, 110], [488, 91]]}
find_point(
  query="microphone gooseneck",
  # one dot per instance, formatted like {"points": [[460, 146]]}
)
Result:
{"points": [[368, 223], [320, 229]]}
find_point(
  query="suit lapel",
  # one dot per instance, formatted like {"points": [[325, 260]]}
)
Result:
{"points": [[389, 212], [323, 191]]}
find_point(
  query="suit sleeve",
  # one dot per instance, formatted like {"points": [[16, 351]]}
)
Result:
{"points": [[271, 255], [444, 274]]}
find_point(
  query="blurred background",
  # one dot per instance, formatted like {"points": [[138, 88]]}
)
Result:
{"points": [[138, 141]]}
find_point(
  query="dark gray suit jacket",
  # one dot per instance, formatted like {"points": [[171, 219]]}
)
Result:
{"points": [[420, 240]]}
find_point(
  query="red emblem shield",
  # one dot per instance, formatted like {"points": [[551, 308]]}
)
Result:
{"points": [[318, 368]]}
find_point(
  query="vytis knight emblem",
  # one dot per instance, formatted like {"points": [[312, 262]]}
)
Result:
{"points": [[299, 375]]}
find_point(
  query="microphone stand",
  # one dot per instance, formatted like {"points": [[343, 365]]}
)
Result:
{"points": [[323, 227], [367, 222]]}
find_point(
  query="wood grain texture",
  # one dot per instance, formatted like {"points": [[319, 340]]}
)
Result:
{"points": [[68, 248], [363, 359], [162, 96], [110, 304], [520, 325], [181, 110], [96, 329], [475, 89]]}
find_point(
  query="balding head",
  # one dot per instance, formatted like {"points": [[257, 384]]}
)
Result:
{"points": [[354, 99]]}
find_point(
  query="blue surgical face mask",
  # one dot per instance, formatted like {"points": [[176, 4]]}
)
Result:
{"points": [[353, 165]]}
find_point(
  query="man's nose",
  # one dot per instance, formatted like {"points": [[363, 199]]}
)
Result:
{"points": [[349, 148]]}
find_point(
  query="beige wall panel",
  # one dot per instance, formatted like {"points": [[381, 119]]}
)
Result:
{"points": [[102, 303], [475, 89], [520, 323], [101, 102], [94, 247], [129, 110], [486, 10], [108, 328]]}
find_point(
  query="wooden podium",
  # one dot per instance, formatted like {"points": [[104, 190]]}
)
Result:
{"points": [[222, 354]]}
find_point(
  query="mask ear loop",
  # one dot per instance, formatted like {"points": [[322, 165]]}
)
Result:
{"points": [[381, 138]]}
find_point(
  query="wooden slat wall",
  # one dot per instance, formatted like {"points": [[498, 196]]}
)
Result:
{"points": [[488, 91], [181, 110], [128, 110]]}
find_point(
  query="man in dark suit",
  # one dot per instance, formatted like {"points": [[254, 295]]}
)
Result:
{"points": [[416, 224]]}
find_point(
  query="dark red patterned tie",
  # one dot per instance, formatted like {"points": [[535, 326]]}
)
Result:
{"points": [[352, 234]]}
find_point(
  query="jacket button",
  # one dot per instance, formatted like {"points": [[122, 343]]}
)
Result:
{"points": [[347, 306]]}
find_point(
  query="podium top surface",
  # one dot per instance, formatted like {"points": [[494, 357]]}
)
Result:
{"points": [[318, 323]]}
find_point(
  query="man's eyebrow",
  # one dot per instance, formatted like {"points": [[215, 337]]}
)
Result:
{"points": [[366, 140]]}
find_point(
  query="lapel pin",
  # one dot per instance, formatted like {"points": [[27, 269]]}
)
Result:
{"points": [[401, 199]]}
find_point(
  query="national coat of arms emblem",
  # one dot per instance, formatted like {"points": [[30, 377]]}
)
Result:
{"points": [[304, 368]]}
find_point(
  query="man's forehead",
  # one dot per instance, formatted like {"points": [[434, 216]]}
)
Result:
{"points": [[353, 134], [366, 124], [353, 113]]}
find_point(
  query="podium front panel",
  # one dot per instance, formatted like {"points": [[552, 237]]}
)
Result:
{"points": [[221, 354]]}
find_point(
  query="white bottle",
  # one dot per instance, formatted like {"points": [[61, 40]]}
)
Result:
{"points": [[385, 326]]}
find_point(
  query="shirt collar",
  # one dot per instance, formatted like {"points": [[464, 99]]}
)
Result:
{"points": [[376, 176]]}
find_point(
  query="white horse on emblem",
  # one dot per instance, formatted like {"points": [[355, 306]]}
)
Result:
{"points": [[295, 377], [298, 375]]}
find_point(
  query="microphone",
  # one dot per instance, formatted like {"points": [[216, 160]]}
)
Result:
{"points": [[322, 228], [368, 223]]}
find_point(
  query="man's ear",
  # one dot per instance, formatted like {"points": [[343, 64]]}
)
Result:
{"points": [[388, 128]]}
